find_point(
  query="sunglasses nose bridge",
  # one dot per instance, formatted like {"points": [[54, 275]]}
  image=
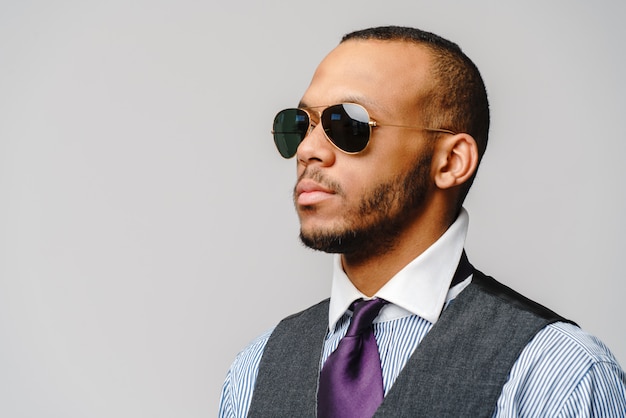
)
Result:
{"points": [[315, 121]]}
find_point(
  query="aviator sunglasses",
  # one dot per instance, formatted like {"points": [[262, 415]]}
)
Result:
{"points": [[347, 126]]}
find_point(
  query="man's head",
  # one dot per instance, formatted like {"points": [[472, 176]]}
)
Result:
{"points": [[458, 97], [428, 117]]}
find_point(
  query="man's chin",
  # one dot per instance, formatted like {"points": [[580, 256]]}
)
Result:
{"points": [[329, 242]]}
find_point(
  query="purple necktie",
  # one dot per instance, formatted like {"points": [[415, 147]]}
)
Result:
{"points": [[351, 382]]}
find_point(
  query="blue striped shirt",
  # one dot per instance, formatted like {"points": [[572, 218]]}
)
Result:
{"points": [[562, 372]]}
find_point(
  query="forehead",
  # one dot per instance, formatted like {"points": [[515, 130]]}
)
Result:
{"points": [[388, 75]]}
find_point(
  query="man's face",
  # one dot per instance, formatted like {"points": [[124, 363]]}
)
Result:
{"points": [[359, 204]]}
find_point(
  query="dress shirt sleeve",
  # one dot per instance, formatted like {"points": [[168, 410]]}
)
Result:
{"points": [[601, 393], [240, 379], [564, 372]]}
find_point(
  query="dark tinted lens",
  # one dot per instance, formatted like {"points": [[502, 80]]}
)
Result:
{"points": [[290, 128], [347, 126]]}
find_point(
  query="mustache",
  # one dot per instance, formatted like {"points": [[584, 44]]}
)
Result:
{"points": [[317, 176]]}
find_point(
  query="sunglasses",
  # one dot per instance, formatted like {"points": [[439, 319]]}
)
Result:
{"points": [[347, 126]]}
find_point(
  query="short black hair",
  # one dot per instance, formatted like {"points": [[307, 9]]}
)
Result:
{"points": [[458, 100]]}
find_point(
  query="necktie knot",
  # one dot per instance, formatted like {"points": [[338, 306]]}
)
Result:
{"points": [[364, 313]]}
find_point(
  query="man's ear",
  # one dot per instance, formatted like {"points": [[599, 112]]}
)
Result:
{"points": [[455, 160]]}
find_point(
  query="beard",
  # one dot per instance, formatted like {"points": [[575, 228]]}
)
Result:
{"points": [[382, 214]]}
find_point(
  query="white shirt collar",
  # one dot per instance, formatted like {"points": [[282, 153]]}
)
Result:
{"points": [[420, 288]]}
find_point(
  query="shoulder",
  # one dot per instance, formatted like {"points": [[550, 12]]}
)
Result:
{"points": [[241, 377], [564, 371], [512, 298], [312, 311], [566, 346], [243, 373], [248, 359]]}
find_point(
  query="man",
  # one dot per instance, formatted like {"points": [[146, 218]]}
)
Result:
{"points": [[388, 138]]}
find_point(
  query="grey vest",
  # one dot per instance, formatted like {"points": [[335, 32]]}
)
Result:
{"points": [[458, 369]]}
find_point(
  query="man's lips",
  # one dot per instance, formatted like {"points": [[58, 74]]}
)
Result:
{"points": [[308, 192]]}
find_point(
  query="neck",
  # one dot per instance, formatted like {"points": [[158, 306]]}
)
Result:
{"points": [[370, 272]]}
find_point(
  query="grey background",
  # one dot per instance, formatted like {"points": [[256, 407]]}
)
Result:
{"points": [[146, 226]]}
